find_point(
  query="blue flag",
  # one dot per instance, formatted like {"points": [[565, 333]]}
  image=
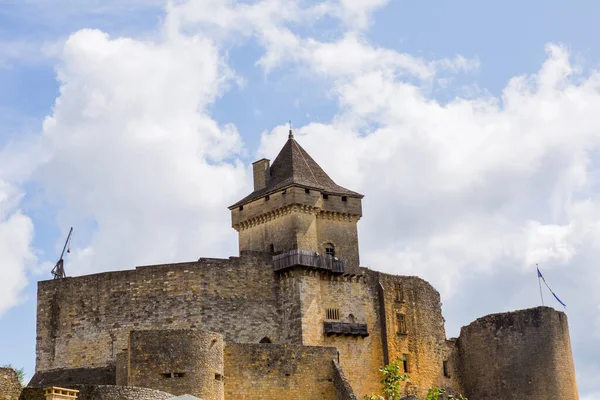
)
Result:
{"points": [[553, 294]]}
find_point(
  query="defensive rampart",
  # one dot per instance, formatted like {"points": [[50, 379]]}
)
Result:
{"points": [[274, 372], [84, 322], [177, 361], [343, 301], [518, 355], [415, 334]]}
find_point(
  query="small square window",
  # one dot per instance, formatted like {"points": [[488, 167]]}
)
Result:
{"points": [[267, 197], [284, 191], [241, 208], [344, 198], [325, 196], [330, 250], [307, 191]]}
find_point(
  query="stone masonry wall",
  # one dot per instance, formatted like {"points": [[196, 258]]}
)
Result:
{"points": [[343, 389], [275, 372], [422, 339], [10, 387], [291, 310], [99, 392], [82, 376], [273, 231], [354, 299], [84, 322], [523, 355], [300, 220], [340, 230], [177, 361]]}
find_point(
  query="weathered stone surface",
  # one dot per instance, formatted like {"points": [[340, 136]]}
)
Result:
{"points": [[71, 376], [177, 361], [10, 387], [518, 355], [100, 392], [355, 299], [423, 340], [343, 390], [275, 372], [299, 220], [85, 321]]}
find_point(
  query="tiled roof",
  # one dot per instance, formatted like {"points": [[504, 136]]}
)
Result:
{"points": [[294, 167]]}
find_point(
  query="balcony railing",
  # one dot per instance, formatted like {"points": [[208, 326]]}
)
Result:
{"points": [[305, 258], [345, 328]]}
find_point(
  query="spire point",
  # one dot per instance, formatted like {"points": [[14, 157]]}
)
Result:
{"points": [[291, 135]]}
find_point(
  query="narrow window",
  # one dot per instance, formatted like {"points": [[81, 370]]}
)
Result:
{"points": [[330, 250], [173, 374], [241, 208], [265, 340], [272, 248], [307, 191], [325, 196], [445, 366], [405, 362], [284, 191], [351, 318], [267, 197], [399, 292], [344, 198], [401, 322]]}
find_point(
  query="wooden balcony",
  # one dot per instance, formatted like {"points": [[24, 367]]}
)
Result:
{"points": [[345, 328], [310, 259]]}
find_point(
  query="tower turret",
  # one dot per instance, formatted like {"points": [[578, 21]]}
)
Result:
{"points": [[295, 205]]}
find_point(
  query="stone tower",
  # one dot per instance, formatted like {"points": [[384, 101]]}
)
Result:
{"points": [[295, 205]]}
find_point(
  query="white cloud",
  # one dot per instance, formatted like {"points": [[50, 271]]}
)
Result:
{"points": [[134, 157], [16, 234], [470, 194]]}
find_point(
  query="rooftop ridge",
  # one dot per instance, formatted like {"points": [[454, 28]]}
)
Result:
{"points": [[293, 166]]}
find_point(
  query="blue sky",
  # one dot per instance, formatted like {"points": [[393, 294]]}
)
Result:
{"points": [[415, 112]]}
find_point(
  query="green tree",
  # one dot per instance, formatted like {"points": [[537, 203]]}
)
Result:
{"points": [[390, 382], [393, 378], [436, 393]]}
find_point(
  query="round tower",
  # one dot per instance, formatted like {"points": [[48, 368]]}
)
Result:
{"points": [[179, 361], [520, 355]]}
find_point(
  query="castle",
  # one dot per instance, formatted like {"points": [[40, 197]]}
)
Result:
{"points": [[295, 316]]}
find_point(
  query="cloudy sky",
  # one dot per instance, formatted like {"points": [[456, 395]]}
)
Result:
{"points": [[472, 127]]}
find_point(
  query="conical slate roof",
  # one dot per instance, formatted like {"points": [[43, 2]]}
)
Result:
{"points": [[295, 167]]}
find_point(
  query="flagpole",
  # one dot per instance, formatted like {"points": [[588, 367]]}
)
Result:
{"points": [[540, 283]]}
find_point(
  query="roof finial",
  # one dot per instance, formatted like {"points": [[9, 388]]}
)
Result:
{"points": [[291, 135]]}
